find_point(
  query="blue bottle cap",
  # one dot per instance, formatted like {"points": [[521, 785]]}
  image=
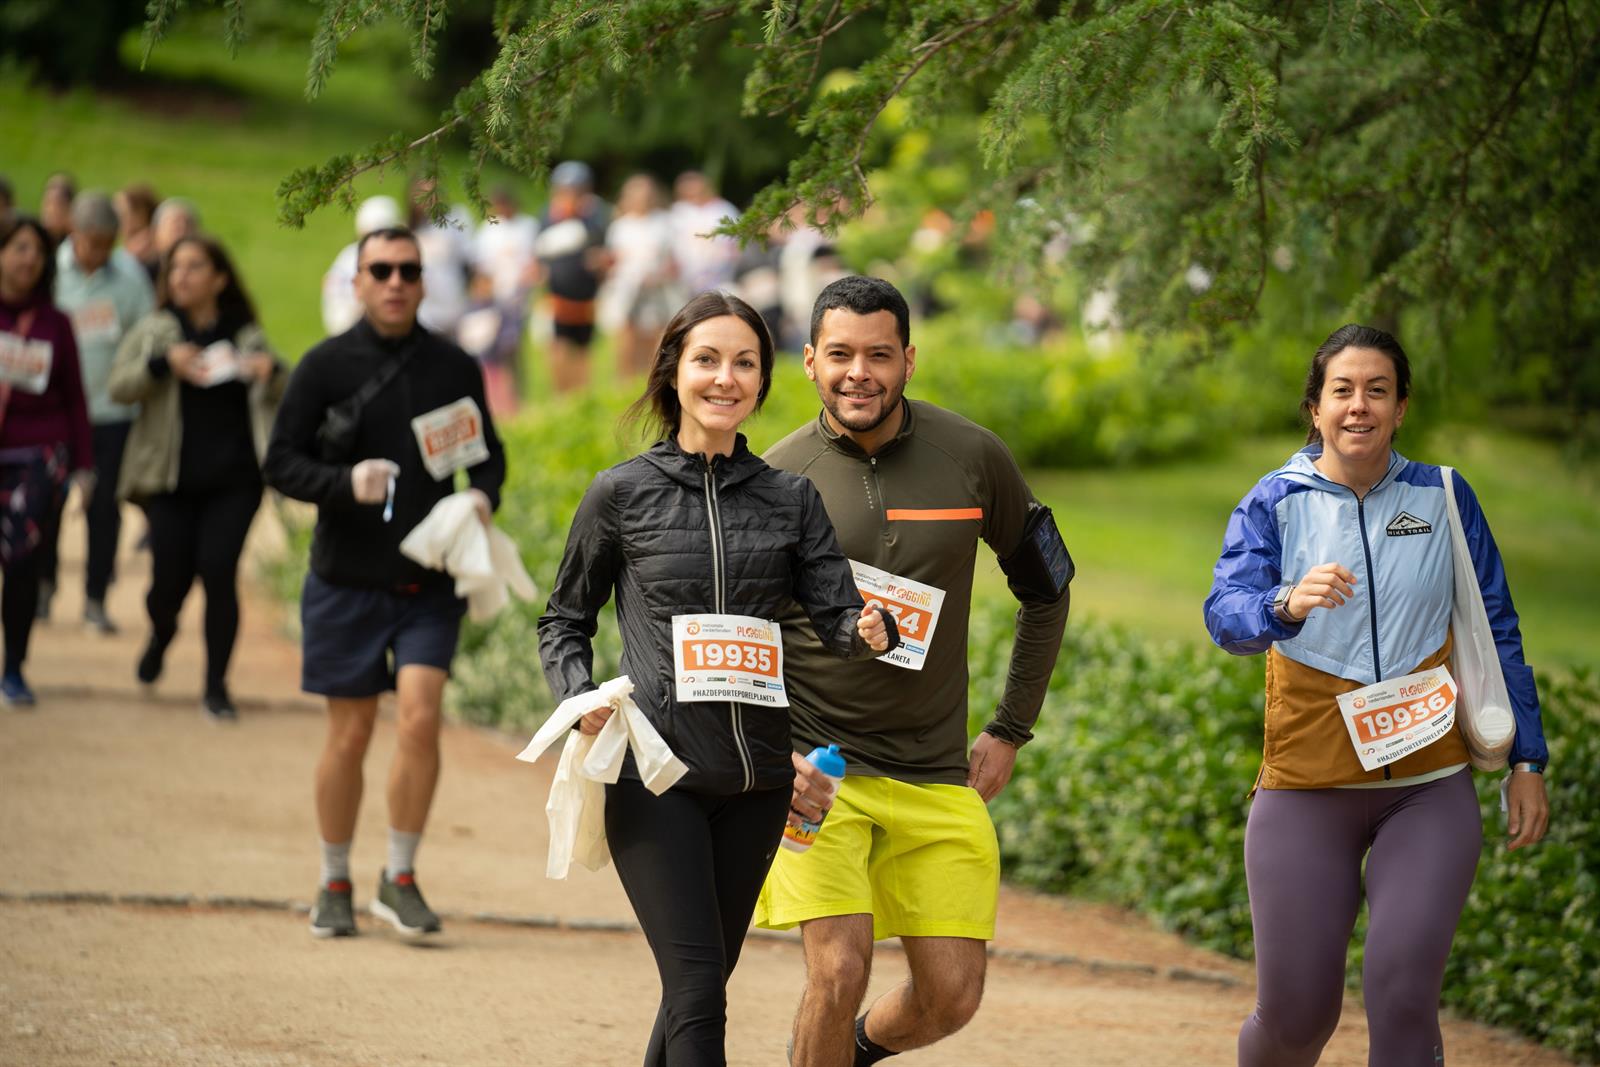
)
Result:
{"points": [[828, 761]]}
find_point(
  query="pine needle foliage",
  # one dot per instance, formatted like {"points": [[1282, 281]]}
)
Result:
{"points": [[1442, 150]]}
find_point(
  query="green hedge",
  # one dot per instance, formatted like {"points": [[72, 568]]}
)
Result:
{"points": [[1134, 791]]}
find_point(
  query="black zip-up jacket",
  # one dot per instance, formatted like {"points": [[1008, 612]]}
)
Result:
{"points": [[352, 545], [675, 535]]}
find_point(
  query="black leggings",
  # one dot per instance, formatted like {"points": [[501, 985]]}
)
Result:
{"points": [[104, 510], [19, 600], [692, 866], [199, 534]]}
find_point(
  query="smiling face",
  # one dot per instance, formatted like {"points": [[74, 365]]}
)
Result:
{"points": [[718, 382], [1359, 409], [861, 370]]}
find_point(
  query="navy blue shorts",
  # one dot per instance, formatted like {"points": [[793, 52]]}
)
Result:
{"points": [[355, 640]]}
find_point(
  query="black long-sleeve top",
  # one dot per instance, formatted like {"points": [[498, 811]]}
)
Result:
{"points": [[352, 545], [670, 534]]}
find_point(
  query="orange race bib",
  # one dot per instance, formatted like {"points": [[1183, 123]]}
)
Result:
{"points": [[915, 608], [25, 363], [97, 323], [728, 657], [1399, 716], [451, 438]]}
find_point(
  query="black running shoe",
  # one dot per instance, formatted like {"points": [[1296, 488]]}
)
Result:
{"points": [[219, 707], [149, 668]]}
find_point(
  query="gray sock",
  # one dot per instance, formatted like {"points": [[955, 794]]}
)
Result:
{"points": [[335, 862], [402, 851]]}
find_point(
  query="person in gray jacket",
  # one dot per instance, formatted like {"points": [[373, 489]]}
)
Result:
{"points": [[207, 387], [698, 536], [105, 291]]}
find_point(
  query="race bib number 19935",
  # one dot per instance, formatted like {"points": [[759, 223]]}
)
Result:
{"points": [[728, 657]]}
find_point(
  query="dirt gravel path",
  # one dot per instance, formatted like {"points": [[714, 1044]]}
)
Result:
{"points": [[154, 869]]}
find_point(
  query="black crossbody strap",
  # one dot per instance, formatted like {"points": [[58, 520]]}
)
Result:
{"points": [[380, 381]]}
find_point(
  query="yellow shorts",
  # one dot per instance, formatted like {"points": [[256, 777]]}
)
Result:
{"points": [[922, 860]]}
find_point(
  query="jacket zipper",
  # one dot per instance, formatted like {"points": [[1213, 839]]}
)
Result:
{"points": [[718, 583], [877, 489], [1372, 598]]}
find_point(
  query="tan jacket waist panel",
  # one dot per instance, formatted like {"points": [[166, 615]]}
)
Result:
{"points": [[1307, 745]]}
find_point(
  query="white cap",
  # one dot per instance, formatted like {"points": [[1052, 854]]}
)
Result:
{"points": [[377, 213]]}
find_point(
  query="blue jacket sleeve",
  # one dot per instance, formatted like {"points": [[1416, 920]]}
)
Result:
{"points": [[1486, 562], [1239, 613]]}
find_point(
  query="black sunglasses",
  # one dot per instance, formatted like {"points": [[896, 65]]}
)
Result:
{"points": [[410, 272]]}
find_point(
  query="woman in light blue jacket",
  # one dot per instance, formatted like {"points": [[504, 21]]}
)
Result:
{"points": [[1339, 566]]}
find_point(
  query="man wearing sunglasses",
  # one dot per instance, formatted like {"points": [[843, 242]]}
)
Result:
{"points": [[375, 427]]}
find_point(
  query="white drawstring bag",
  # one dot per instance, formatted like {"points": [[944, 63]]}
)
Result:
{"points": [[577, 805], [1483, 706]]}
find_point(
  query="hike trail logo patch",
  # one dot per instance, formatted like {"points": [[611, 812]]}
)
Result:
{"points": [[1405, 524]]}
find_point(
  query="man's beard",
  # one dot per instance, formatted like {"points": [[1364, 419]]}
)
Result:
{"points": [[861, 422]]}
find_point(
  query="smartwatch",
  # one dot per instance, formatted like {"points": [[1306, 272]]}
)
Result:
{"points": [[1280, 604], [1529, 766]]}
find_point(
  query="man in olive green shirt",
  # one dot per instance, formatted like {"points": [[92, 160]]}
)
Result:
{"points": [[908, 849]]}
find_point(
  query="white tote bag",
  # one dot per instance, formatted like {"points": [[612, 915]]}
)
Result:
{"points": [[1483, 707]]}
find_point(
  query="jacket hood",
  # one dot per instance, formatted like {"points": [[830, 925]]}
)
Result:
{"points": [[1301, 469], [688, 468], [846, 445]]}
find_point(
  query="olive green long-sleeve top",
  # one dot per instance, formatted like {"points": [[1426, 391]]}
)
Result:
{"points": [[916, 509]]}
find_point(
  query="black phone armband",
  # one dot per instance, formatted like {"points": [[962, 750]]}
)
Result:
{"points": [[1041, 568]]}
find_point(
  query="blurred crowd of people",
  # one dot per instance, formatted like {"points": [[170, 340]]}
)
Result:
{"points": [[132, 370], [582, 265], [157, 383]]}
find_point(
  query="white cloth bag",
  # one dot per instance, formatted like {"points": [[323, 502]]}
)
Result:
{"points": [[1483, 706], [577, 805], [483, 560]]}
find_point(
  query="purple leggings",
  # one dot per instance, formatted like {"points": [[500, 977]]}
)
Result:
{"points": [[1302, 858]]}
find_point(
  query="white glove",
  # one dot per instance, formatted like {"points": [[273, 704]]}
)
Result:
{"points": [[369, 480]]}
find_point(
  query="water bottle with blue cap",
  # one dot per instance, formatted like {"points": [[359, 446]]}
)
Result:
{"points": [[831, 763]]}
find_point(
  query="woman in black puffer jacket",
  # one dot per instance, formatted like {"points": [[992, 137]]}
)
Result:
{"points": [[699, 525]]}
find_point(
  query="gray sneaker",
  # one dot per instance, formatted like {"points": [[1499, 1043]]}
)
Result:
{"points": [[334, 915], [399, 903], [96, 619]]}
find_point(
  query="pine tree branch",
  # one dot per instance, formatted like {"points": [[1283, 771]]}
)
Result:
{"points": [[929, 48]]}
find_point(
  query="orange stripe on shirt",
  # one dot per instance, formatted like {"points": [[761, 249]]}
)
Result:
{"points": [[934, 514]]}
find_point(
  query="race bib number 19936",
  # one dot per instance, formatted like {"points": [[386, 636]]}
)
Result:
{"points": [[1399, 716]]}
